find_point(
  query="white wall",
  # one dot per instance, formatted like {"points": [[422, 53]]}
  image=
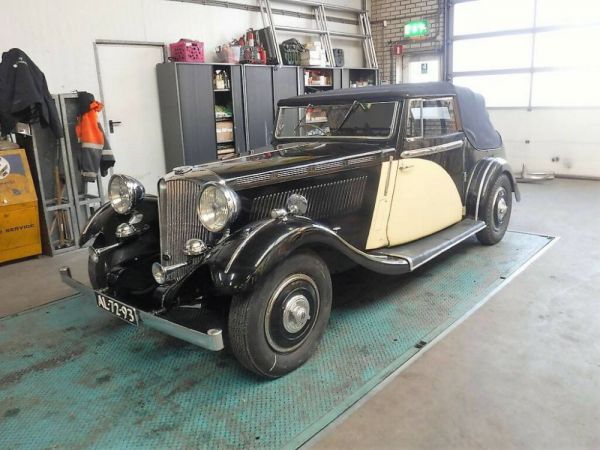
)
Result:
{"points": [[571, 134], [59, 34]]}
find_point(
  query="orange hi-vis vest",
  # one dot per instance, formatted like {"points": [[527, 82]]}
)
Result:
{"points": [[88, 132]]}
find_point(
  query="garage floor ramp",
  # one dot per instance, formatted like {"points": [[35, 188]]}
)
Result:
{"points": [[72, 376]]}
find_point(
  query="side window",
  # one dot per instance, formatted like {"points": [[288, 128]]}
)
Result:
{"points": [[431, 118]]}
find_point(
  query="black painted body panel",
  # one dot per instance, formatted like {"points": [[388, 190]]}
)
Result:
{"points": [[340, 179]]}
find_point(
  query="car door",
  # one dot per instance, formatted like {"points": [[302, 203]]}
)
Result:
{"points": [[429, 174]]}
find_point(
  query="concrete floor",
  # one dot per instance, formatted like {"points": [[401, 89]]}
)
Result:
{"points": [[522, 372]]}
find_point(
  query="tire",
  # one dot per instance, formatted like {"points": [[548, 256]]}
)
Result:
{"points": [[276, 328], [496, 211]]}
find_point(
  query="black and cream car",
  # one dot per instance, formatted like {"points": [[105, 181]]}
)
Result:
{"points": [[239, 253]]}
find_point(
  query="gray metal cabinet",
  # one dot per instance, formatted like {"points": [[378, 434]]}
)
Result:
{"points": [[258, 88], [238, 108], [285, 84], [188, 97], [350, 77], [197, 113], [187, 113], [337, 78]]}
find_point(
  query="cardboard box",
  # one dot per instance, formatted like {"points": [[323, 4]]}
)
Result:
{"points": [[19, 217], [224, 131]]}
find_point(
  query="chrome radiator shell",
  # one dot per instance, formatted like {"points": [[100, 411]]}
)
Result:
{"points": [[178, 222]]}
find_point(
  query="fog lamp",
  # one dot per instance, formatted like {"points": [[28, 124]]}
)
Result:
{"points": [[194, 247], [125, 230], [297, 204]]}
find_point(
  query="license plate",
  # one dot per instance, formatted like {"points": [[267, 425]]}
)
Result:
{"points": [[115, 307]]}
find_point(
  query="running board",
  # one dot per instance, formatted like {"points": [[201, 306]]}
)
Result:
{"points": [[419, 252]]}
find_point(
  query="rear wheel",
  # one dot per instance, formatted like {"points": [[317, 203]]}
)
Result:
{"points": [[496, 211], [276, 328]]}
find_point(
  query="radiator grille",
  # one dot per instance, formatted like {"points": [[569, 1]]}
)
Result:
{"points": [[178, 222], [324, 200]]}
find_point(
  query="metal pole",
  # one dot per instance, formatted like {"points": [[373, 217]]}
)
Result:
{"points": [[274, 34]]}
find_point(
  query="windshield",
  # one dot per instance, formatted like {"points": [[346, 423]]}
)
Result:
{"points": [[352, 120]]}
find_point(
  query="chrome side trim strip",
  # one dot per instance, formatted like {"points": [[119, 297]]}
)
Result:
{"points": [[267, 174], [471, 179], [432, 150], [481, 184]]}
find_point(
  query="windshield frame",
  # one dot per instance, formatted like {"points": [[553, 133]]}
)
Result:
{"points": [[393, 123]]}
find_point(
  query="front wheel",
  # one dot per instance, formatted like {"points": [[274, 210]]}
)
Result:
{"points": [[276, 328], [496, 211]]}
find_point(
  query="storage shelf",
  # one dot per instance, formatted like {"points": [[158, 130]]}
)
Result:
{"points": [[225, 142], [222, 90]]}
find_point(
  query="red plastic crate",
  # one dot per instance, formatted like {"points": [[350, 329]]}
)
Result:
{"points": [[187, 50]]}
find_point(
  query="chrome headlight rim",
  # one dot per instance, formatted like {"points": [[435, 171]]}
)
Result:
{"points": [[233, 205], [135, 191]]}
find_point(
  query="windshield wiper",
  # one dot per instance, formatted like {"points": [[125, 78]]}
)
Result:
{"points": [[303, 118], [348, 114]]}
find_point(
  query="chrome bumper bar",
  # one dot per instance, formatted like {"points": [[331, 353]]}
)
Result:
{"points": [[211, 340]]}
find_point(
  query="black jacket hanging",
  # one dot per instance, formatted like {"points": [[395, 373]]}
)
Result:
{"points": [[24, 95]]}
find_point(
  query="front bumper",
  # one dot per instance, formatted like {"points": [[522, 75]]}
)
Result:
{"points": [[212, 339]]}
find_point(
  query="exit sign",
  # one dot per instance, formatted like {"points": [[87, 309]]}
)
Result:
{"points": [[416, 28]]}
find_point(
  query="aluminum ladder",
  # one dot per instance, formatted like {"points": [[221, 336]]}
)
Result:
{"points": [[322, 30]]}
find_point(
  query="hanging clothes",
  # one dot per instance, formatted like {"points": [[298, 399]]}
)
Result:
{"points": [[24, 95], [96, 154]]}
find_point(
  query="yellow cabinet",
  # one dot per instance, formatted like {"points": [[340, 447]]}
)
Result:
{"points": [[19, 218]]}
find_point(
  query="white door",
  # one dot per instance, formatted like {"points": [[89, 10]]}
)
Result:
{"points": [[421, 69], [130, 97]]}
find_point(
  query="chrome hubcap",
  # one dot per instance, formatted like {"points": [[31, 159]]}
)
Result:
{"points": [[291, 313], [296, 313], [502, 208]]}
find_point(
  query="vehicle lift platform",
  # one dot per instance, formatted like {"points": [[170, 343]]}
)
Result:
{"points": [[73, 376]]}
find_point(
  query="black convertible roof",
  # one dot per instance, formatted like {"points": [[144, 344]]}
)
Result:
{"points": [[372, 93], [475, 119]]}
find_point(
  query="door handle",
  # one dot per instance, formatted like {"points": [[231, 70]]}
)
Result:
{"points": [[112, 124]]}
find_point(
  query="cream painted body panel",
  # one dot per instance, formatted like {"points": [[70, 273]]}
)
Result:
{"points": [[378, 231], [415, 198], [425, 201]]}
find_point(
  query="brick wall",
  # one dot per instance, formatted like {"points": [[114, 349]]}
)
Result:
{"points": [[396, 13]]}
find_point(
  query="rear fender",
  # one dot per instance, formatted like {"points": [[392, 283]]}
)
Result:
{"points": [[482, 178]]}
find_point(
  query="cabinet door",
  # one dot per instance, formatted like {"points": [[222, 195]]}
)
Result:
{"points": [[337, 78], [285, 84], [259, 105], [237, 93], [345, 78], [197, 107]]}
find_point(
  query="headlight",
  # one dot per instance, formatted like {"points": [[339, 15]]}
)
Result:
{"points": [[218, 206], [124, 193]]}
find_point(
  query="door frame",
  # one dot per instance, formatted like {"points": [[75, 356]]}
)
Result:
{"points": [[117, 42], [414, 56]]}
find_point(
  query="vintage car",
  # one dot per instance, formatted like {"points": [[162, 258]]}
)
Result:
{"points": [[239, 253]]}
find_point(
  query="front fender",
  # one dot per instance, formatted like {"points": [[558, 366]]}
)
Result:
{"points": [[105, 220], [240, 261], [481, 180]]}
